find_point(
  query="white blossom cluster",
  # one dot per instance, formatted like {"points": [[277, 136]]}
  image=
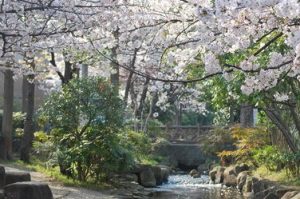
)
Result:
{"points": [[155, 37]]}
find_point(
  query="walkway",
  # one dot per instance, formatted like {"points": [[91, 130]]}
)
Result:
{"points": [[62, 192]]}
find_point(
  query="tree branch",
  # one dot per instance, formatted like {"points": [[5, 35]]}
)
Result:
{"points": [[268, 44]]}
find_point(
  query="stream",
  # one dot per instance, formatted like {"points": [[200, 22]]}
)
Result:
{"points": [[186, 187]]}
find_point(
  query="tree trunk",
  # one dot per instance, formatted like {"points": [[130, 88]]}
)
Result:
{"points": [[151, 110], [142, 99], [7, 122], [282, 126], [246, 116], [127, 88], [24, 93], [114, 77], [29, 122], [178, 115], [129, 80], [68, 72]]}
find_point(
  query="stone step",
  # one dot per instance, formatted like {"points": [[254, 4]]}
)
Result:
{"points": [[13, 177], [27, 190]]}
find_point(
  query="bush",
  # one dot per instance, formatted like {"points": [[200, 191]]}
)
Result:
{"points": [[291, 163], [18, 120], [154, 128], [138, 142], [275, 160], [86, 118], [270, 156], [219, 140], [246, 140]]}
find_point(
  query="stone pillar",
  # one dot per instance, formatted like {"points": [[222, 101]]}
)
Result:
{"points": [[246, 116]]}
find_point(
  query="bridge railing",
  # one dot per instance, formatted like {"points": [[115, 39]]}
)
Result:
{"points": [[191, 134]]}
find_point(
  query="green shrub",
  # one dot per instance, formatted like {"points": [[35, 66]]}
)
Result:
{"points": [[291, 162], [275, 160], [19, 132], [219, 140], [40, 136], [86, 118], [18, 120], [154, 128], [246, 141], [269, 156]]}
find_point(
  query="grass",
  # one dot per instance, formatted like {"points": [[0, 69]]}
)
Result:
{"points": [[278, 176], [55, 174]]}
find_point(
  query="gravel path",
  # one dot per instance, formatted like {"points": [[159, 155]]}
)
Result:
{"points": [[62, 192]]}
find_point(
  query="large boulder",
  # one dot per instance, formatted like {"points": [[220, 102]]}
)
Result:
{"points": [[2, 176], [165, 174], [212, 174], [230, 177], [260, 185], [248, 184], [160, 172], [297, 196], [13, 177], [269, 192], [282, 190], [271, 196], [230, 180], [231, 170], [289, 194], [157, 174], [216, 174], [241, 180], [27, 190], [195, 173], [147, 177], [220, 175]]}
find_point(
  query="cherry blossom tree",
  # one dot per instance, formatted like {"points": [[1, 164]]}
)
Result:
{"points": [[150, 45]]}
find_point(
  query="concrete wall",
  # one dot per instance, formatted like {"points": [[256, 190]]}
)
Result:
{"points": [[39, 94]]}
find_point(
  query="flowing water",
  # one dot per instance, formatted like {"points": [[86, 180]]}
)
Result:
{"points": [[186, 187]]}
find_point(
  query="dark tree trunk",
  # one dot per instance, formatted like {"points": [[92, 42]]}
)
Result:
{"points": [[127, 88], [24, 93], [68, 72], [29, 122], [232, 116], [246, 116], [151, 110], [142, 99], [7, 121], [129, 80], [178, 115], [114, 78], [282, 126]]}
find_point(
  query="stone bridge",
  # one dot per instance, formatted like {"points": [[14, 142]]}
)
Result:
{"points": [[185, 149], [186, 134]]}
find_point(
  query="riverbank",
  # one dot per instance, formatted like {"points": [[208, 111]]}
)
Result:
{"points": [[179, 186], [281, 177], [258, 183], [124, 189]]}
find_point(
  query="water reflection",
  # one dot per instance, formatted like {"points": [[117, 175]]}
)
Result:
{"points": [[186, 187]]}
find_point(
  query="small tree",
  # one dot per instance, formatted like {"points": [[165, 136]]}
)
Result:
{"points": [[86, 117]]}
